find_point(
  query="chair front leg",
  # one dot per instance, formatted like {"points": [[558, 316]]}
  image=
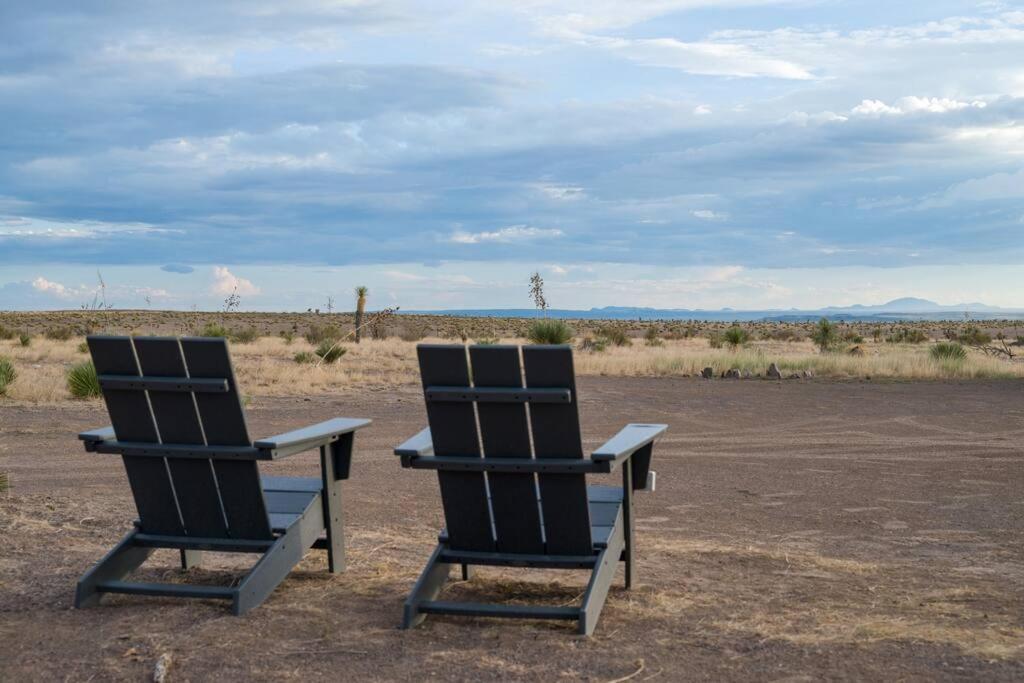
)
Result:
{"points": [[334, 519]]}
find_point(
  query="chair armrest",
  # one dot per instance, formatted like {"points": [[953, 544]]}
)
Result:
{"points": [[628, 441], [96, 436], [421, 444], [307, 438]]}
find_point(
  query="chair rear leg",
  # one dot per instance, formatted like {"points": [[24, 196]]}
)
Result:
{"points": [[191, 558], [333, 517], [427, 587], [601, 580], [468, 572], [122, 560]]}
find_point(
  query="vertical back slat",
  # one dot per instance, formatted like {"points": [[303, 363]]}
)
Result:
{"points": [[176, 418], [556, 434], [454, 432], [223, 423], [132, 421], [504, 433]]}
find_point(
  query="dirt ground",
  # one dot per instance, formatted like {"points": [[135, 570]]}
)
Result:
{"points": [[801, 530]]}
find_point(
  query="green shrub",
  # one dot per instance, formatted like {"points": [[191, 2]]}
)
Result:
{"points": [[825, 335], [549, 332], [58, 333], [288, 337], [304, 357], [716, 340], [25, 339], [972, 336], [616, 336], [214, 330], [330, 351], [907, 335], [7, 374], [5, 481], [317, 334], [83, 347], [485, 342], [943, 351], [651, 337], [735, 337], [82, 380], [6, 333], [245, 335]]}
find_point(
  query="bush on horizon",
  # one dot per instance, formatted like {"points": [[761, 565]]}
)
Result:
{"points": [[549, 332]]}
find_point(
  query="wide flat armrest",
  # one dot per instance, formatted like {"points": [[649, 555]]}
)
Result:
{"points": [[306, 438], [95, 436], [421, 444], [629, 440]]}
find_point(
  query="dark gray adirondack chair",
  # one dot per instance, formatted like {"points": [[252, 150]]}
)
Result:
{"points": [[177, 422], [513, 504]]}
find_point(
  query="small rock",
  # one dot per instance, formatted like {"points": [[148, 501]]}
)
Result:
{"points": [[707, 373], [746, 374], [733, 373], [856, 351], [773, 372], [162, 666], [795, 375], [808, 374]]}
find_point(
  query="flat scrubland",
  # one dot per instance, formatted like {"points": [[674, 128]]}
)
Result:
{"points": [[801, 531], [266, 365]]}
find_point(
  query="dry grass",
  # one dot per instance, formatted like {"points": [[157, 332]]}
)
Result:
{"points": [[266, 366]]}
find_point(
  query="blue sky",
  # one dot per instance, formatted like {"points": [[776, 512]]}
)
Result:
{"points": [[671, 153]]}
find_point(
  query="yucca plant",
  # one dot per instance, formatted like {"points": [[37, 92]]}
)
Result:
{"points": [[361, 293], [25, 339], [7, 374], [948, 351], [304, 357], [549, 332], [82, 380], [825, 335], [330, 351], [735, 337]]}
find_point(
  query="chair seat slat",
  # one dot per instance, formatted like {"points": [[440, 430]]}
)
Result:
{"points": [[177, 384], [481, 394]]}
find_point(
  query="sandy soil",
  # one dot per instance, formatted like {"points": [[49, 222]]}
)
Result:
{"points": [[801, 530]]}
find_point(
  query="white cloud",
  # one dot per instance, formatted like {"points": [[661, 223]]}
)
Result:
{"points": [[512, 233], [49, 287], [703, 58], [561, 192], [225, 283], [701, 110], [709, 215], [913, 104], [995, 186]]}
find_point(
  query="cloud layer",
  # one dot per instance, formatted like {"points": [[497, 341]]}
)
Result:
{"points": [[754, 133]]}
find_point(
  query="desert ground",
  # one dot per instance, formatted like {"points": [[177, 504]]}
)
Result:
{"points": [[801, 530]]}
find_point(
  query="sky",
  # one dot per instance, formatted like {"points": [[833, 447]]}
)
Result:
{"points": [[748, 154]]}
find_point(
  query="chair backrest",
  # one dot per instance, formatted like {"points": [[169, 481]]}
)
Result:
{"points": [[545, 513], [183, 393]]}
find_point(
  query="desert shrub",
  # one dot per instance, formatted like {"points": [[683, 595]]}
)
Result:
{"points": [[288, 337], [6, 333], [972, 336], [412, 334], [735, 336], [615, 335], [83, 347], [907, 335], [62, 333], [549, 332], [318, 334], [378, 330], [825, 335], [82, 380], [330, 351], [7, 374], [213, 330], [486, 341], [716, 340], [304, 357], [876, 334], [853, 337], [946, 351], [651, 337], [25, 339], [246, 335], [593, 345]]}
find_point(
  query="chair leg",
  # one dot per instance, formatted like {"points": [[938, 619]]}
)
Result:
{"points": [[122, 560], [601, 580], [467, 572], [279, 560], [628, 519], [427, 587], [333, 516], [191, 558]]}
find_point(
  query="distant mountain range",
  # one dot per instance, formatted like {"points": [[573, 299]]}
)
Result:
{"points": [[906, 308]]}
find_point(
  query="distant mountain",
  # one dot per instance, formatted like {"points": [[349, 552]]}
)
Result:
{"points": [[906, 308]]}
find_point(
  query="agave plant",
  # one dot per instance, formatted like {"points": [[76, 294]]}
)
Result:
{"points": [[82, 380]]}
